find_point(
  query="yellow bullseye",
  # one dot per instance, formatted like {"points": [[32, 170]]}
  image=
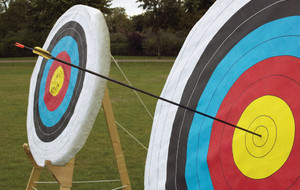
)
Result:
{"points": [[57, 81], [259, 157]]}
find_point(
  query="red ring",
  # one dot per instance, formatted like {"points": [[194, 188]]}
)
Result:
{"points": [[53, 102], [276, 76]]}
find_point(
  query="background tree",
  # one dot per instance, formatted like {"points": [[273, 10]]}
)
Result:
{"points": [[161, 30], [13, 26], [162, 14], [191, 12], [118, 21], [138, 22], [44, 13], [30, 21], [119, 26], [3, 5], [154, 18]]}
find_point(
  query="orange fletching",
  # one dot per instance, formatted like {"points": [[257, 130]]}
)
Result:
{"points": [[19, 45]]}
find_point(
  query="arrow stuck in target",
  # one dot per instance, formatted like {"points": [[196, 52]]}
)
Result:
{"points": [[47, 55]]}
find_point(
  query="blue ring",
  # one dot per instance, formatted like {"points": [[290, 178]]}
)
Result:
{"points": [[250, 50], [50, 118]]}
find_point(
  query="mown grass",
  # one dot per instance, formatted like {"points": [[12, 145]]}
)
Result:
{"points": [[124, 57], [119, 57], [18, 58], [96, 160]]}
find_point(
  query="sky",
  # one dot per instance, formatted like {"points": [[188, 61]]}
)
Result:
{"points": [[130, 6]]}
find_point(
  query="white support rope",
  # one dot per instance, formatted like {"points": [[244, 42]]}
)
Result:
{"points": [[129, 133], [96, 181], [119, 187], [131, 85]]}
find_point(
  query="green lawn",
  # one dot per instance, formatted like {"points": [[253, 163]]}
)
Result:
{"points": [[143, 57], [18, 58], [95, 161]]}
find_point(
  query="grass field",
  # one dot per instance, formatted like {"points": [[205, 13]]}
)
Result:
{"points": [[95, 161]]}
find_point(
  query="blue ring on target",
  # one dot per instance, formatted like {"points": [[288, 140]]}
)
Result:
{"points": [[240, 58], [50, 118]]}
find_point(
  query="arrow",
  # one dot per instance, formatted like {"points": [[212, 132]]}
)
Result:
{"points": [[36, 50], [41, 52]]}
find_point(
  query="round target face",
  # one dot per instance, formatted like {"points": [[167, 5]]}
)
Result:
{"points": [[56, 93], [64, 101], [239, 64]]}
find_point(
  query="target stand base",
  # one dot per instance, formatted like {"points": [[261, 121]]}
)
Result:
{"points": [[115, 140], [62, 174]]}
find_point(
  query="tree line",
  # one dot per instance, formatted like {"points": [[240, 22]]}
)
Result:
{"points": [[160, 30]]}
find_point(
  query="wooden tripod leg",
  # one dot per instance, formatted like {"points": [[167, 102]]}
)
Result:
{"points": [[36, 170], [62, 174], [115, 140]]}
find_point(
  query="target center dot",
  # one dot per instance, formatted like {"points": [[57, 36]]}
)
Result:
{"points": [[260, 141]]}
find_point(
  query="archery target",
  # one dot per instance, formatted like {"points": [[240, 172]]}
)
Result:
{"points": [[64, 101], [240, 64]]}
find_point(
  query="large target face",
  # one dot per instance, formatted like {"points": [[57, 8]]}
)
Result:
{"points": [[64, 101], [240, 63]]}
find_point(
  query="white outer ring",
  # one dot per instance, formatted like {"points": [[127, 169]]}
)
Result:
{"points": [[199, 37], [71, 140]]}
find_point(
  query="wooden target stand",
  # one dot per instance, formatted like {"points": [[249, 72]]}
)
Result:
{"points": [[64, 174]]}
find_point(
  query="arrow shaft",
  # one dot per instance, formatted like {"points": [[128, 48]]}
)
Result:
{"points": [[155, 96], [49, 56]]}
